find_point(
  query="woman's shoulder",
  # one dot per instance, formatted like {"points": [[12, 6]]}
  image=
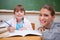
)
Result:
{"points": [[56, 27], [56, 24]]}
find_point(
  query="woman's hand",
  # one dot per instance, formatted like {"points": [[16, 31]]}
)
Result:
{"points": [[1, 20], [11, 29], [41, 29]]}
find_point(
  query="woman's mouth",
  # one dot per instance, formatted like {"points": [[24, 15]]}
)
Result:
{"points": [[43, 21]]}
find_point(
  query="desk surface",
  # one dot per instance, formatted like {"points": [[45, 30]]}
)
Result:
{"points": [[23, 38]]}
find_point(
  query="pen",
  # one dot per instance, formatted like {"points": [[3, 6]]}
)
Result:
{"points": [[8, 23]]}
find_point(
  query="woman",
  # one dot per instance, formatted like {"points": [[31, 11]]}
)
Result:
{"points": [[46, 18], [19, 22]]}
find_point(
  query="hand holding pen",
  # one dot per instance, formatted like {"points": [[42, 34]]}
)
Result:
{"points": [[10, 28]]}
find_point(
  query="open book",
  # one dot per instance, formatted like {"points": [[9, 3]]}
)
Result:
{"points": [[24, 33]]}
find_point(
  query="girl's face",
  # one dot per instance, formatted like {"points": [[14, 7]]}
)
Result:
{"points": [[19, 15], [45, 17]]}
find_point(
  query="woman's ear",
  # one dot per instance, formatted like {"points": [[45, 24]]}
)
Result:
{"points": [[54, 17]]}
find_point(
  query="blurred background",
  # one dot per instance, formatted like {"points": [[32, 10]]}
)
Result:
{"points": [[32, 8]]}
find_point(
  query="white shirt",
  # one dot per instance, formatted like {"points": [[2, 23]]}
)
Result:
{"points": [[12, 22]]}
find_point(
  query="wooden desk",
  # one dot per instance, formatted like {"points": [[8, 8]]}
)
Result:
{"points": [[23, 38]]}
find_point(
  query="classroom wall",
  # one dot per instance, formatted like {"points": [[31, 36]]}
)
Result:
{"points": [[29, 4]]}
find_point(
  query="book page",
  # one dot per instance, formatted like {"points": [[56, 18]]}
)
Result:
{"points": [[24, 32]]}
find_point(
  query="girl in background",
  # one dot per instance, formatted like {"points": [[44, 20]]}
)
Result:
{"points": [[19, 22]]}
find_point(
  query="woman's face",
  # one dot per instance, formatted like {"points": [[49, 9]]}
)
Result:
{"points": [[19, 15], [45, 17]]}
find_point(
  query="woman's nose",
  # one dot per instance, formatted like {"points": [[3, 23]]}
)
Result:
{"points": [[19, 12], [42, 17]]}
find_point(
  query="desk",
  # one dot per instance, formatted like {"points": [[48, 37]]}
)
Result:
{"points": [[23, 38]]}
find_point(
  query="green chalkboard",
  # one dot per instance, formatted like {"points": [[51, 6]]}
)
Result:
{"points": [[28, 4]]}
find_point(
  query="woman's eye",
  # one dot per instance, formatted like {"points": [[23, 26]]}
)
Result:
{"points": [[40, 14], [45, 15], [21, 11]]}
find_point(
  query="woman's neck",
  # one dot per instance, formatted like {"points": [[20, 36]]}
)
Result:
{"points": [[47, 26]]}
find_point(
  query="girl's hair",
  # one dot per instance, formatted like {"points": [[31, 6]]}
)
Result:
{"points": [[19, 8]]}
